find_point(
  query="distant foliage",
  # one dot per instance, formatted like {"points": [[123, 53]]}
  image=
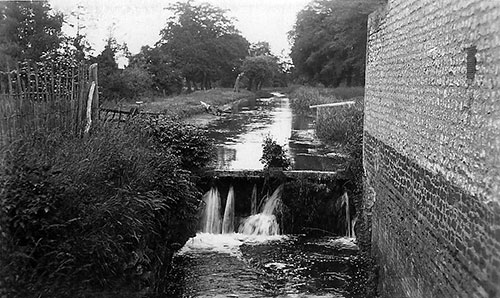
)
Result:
{"points": [[166, 78], [105, 211], [274, 155], [137, 82], [260, 70], [329, 42]]}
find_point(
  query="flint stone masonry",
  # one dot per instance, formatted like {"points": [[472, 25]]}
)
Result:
{"points": [[432, 147]]}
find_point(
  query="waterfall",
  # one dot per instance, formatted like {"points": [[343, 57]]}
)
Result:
{"points": [[211, 222], [254, 200], [228, 221], [350, 225], [273, 201], [264, 223]]}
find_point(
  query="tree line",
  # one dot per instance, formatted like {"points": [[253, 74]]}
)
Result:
{"points": [[199, 48], [329, 42]]}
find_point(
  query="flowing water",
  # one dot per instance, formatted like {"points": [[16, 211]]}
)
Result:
{"points": [[257, 261], [239, 137]]}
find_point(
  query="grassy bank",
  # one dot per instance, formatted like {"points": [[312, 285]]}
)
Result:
{"points": [[185, 105], [82, 217]]}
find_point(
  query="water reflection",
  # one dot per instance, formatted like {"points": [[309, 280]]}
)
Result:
{"points": [[240, 136]]}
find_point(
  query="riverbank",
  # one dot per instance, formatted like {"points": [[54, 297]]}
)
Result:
{"points": [[183, 105]]}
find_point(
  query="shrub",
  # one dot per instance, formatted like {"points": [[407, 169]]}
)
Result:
{"points": [[190, 143], [104, 211], [274, 155]]}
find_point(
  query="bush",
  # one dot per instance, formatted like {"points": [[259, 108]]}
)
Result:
{"points": [[190, 143], [105, 211], [274, 155]]}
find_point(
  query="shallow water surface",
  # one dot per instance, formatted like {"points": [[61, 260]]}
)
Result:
{"points": [[239, 137], [237, 265]]}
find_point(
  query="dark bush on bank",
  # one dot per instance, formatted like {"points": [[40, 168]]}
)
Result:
{"points": [[187, 142], [313, 208], [102, 212]]}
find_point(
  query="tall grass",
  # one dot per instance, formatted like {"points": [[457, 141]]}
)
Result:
{"points": [[303, 97], [107, 211]]}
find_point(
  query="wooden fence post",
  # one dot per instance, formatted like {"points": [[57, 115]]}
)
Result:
{"points": [[92, 112], [94, 79]]}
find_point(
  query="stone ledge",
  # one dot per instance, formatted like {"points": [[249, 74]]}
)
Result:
{"points": [[294, 174]]}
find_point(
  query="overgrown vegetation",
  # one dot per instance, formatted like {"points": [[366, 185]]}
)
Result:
{"points": [[99, 213]]}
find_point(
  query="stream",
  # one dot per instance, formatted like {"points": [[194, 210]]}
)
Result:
{"points": [[247, 256], [240, 134]]}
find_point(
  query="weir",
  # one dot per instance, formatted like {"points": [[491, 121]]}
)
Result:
{"points": [[258, 206]]}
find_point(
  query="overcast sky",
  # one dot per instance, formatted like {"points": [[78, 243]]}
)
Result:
{"points": [[138, 22]]}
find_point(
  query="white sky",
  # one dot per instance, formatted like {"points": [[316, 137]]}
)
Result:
{"points": [[138, 22]]}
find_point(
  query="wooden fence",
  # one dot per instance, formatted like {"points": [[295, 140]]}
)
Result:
{"points": [[120, 116], [47, 96]]}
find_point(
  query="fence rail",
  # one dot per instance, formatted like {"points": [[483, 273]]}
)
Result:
{"points": [[46, 96]]}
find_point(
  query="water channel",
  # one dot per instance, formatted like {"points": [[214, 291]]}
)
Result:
{"points": [[247, 256], [240, 134]]}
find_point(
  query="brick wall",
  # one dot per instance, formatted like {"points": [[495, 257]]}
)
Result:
{"points": [[432, 147]]}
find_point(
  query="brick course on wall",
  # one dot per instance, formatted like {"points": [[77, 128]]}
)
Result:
{"points": [[432, 146]]}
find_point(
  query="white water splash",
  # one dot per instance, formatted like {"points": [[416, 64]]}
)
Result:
{"points": [[260, 224], [224, 243], [264, 223]]}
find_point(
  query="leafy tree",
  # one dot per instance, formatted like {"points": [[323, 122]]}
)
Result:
{"points": [[165, 78], [202, 43], [329, 41], [260, 48], [136, 80], [28, 30], [110, 81], [80, 47], [260, 70]]}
